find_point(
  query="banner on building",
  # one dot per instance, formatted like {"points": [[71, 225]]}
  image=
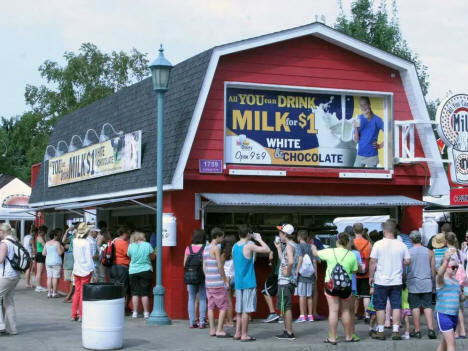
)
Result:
{"points": [[452, 116], [116, 155], [302, 128]]}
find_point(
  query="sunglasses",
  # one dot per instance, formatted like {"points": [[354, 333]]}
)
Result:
{"points": [[454, 267]]}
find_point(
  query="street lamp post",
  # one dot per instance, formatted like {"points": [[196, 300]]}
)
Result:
{"points": [[160, 71]]}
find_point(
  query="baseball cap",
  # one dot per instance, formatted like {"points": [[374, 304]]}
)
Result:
{"points": [[286, 228]]}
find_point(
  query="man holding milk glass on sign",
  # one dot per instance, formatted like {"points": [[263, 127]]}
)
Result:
{"points": [[366, 131]]}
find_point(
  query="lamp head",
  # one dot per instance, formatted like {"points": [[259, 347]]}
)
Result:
{"points": [[160, 71]]}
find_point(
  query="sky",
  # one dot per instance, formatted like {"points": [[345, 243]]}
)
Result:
{"points": [[39, 30]]}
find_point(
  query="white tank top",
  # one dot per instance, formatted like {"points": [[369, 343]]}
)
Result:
{"points": [[6, 270]]}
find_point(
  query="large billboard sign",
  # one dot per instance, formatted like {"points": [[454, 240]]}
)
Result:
{"points": [[116, 155], [452, 116], [274, 126]]}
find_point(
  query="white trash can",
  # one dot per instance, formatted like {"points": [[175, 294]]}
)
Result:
{"points": [[103, 316]]}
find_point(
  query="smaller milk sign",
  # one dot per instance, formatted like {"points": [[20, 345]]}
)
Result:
{"points": [[452, 116]]}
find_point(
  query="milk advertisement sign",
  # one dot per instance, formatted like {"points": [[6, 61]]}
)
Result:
{"points": [[296, 128], [452, 116], [116, 155]]}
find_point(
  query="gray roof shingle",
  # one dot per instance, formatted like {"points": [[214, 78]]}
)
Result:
{"points": [[130, 109]]}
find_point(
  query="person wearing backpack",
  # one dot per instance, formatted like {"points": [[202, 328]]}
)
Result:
{"points": [[388, 257], [286, 278], [305, 273], [195, 278], [9, 278], [341, 263]]}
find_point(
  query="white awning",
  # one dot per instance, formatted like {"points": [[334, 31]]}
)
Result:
{"points": [[17, 214], [224, 199]]}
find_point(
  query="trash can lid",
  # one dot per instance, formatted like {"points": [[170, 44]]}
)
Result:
{"points": [[103, 291]]}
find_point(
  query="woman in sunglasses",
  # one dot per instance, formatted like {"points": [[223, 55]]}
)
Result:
{"points": [[448, 300], [452, 243]]}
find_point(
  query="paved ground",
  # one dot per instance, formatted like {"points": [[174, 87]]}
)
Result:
{"points": [[44, 324]]}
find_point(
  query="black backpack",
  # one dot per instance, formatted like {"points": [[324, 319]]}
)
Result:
{"points": [[339, 278], [193, 270], [21, 260]]}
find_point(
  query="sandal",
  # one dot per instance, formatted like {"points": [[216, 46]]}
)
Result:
{"points": [[225, 336], [328, 341], [249, 339]]}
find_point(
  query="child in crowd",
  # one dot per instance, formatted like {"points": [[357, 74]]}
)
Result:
{"points": [[226, 256], [215, 282], [305, 274], [371, 312], [405, 311], [448, 302], [354, 292]]}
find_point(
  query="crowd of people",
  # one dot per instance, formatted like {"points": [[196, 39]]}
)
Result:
{"points": [[392, 273], [77, 252]]}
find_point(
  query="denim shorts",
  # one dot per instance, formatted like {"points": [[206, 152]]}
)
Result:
{"points": [[383, 292]]}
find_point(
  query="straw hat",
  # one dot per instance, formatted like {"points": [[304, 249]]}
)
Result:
{"points": [[438, 241], [82, 230]]}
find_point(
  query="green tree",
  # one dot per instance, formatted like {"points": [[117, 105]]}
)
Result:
{"points": [[87, 76], [379, 29]]}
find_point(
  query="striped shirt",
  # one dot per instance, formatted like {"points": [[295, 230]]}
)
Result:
{"points": [[448, 297], [405, 239], [212, 277], [438, 256]]}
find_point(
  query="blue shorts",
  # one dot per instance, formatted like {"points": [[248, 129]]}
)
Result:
{"points": [[446, 322], [382, 293]]}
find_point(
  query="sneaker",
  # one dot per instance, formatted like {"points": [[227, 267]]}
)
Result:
{"points": [[318, 317], [301, 319], [371, 331], [272, 317], [431, 334], [356, 338], [415, 334], [378, 335], [406, 336], [280, 319], [40, 289], [134, 314], [396, 336], [310, 318], [286, 336], [146, 315]]}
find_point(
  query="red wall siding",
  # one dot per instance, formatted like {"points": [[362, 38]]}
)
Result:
{"points": [[306, 61]]}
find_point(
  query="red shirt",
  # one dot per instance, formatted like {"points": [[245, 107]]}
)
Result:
{"points": [[121, 248]]}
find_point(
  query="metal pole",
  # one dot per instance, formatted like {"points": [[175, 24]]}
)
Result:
{"points": [[158, 315]]}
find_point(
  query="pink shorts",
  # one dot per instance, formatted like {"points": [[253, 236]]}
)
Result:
{"points": [[405, 312], [217, 298]]}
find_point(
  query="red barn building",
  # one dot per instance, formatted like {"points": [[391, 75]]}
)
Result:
{"points": [[258, 132]]}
